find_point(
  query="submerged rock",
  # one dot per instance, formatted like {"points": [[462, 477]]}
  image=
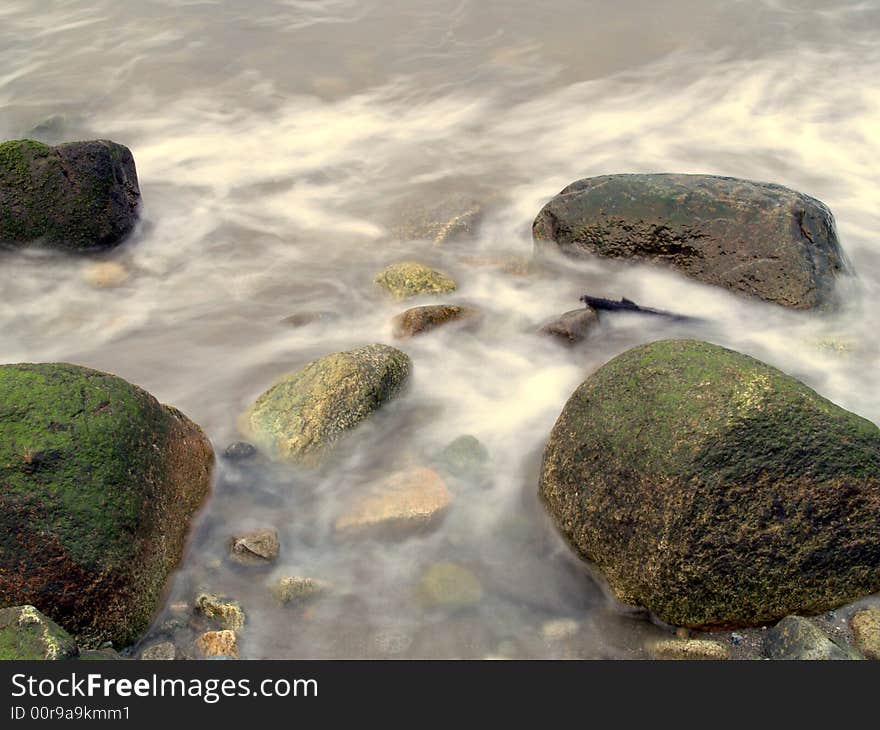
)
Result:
{"points": [[799, 638], [75, 196], [27, 635], [255, 548], [304, 414], [447, 218], [408, 502], [688, 649], [423, 319], [240, 451], [865, 625], [410, 279], [714, 489], [163, 651], [295, 590], [466, 458], [571, 327], [753, 238], [218, 644], [449, 584], [100, 482], [105, 275], [227, 614]]}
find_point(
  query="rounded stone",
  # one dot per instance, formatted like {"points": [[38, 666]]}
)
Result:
{"points": [[76, 196], [304, 414], [756, 239], [100, 482], [411, 279], [715, 490]]}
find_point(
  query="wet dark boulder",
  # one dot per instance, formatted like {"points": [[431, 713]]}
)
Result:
{"points": [[757, 239], [715, 490], [75, 196], [98, 484]]}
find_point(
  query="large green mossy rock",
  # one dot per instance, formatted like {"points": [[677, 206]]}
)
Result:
{"points": [[98, 482], [757, 239], [714, 489], [300, 417], [28, 635], [80, 195]]}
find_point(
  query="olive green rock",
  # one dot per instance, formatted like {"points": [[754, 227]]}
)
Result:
{"points": [[27, 635], [449, 584], [76, 196], [303, 415], [756, 239], [98, 482], [410, 279], [715, 490]]}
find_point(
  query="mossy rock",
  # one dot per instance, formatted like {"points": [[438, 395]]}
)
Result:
{"points": [[303, 415], [76, 196], [411, 279], [98, 482], [714, 489], [28, 635], [757, 239]]}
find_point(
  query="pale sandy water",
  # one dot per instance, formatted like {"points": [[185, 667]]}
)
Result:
{"points": [[277, 144]]}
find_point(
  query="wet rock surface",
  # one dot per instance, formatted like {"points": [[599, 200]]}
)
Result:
{"points": [[799, 638], [424, 319], [75, 196], [305, 413], [411, 279], [571, 327], [757, 239], [27, 635], [662, 452], [100, 483]]}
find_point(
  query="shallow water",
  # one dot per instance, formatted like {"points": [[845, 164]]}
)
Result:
{"points": [[280, 144]]}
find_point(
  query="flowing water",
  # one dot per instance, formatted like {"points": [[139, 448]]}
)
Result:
{"points": [[279, 145]]}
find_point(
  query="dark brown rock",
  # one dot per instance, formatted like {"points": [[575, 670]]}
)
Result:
{"points": [[757, 239], [423, 319], [571, 327]]}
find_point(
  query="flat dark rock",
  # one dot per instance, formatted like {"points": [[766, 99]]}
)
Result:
{"points": [[757, 239]]}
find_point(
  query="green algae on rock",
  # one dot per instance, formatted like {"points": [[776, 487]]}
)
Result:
{"points": [[300, 417], [76, 196], [715, 490], [756, 239], [99, 484], [28, 635], [410, 279]]}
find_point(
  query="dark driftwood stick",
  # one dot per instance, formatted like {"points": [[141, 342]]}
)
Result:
{"points": [[625, 305]]}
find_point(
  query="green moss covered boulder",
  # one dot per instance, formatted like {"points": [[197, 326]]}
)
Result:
{"points": [[76, 196], [304, 414], [98, 483], [28, 635], [756, 239], [715, 490]]}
